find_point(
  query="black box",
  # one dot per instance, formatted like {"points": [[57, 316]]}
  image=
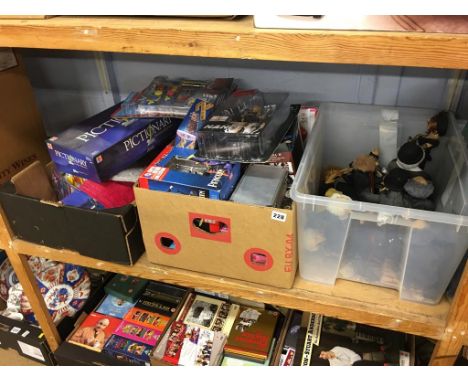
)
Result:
{"points": [[111, 234], [28, 340], [69, 354]]}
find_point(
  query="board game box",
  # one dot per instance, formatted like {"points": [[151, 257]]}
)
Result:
{"points": [[131, 351], [138, 333], [101, 146], [146, 318], [165, 292], [127, 288], [114, 306], [94, 331], [177, 170], [161, 298]]}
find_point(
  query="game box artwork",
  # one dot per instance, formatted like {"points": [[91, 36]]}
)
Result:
{"points": [[131, 351], [138, 333], [114, 306], [177, 170], [146, 318], [102, 146], [94, 331]]}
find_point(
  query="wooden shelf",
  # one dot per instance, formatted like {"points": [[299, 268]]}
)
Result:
{"points": [[236, 39], [362, 303]]}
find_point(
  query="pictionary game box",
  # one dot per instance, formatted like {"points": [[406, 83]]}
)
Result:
{"points": [[101, 146]]}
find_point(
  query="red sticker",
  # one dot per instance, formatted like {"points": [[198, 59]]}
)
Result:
{"points": [[258, 259], [167, 243], [210, 227]]}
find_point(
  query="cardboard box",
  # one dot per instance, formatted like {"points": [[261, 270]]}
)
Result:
{"points": [[101, 146], [21, 131], [256, 244], [110, 234]]}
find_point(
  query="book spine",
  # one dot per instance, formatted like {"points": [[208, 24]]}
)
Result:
{"points": [[314, 328]]}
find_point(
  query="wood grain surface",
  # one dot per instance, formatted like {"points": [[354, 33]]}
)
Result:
{"points": [[236, 39], [348, 300]]}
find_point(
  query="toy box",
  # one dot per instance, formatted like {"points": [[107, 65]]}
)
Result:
{"points": [[413, 251], [251, 243], [176, 170], [247, 127], [173, 97], [101, 146]]}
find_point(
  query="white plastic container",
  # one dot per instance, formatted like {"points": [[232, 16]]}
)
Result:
{"points": [[413, 251]]}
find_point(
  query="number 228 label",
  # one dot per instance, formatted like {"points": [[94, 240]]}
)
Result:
{"points": [[279, 216]]}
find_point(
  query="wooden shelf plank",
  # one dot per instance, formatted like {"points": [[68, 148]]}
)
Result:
{"points": [[236, 39], [362, 303]]}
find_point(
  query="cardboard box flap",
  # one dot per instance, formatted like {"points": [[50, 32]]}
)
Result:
{"points": [[34, 182]]}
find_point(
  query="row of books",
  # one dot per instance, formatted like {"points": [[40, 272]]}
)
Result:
{"points": [[210, 331], [147, 323]]}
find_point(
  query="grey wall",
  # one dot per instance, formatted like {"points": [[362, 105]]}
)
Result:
{"points": [[462, 110], [70, 87]]}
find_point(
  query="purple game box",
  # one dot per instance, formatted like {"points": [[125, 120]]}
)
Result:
{"points": [[101, 146]]}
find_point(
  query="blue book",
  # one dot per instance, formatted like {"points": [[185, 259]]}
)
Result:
{"points": [[114, 306], [101, 146]]}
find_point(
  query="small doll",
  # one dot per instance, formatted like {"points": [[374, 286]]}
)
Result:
{"points": [[437, 127]]}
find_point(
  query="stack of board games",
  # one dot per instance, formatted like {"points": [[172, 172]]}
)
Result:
{"points": [[127, 325], [314, 340]]}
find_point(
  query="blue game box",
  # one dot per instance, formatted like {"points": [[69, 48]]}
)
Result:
{"points": [[101, 146], [124, 349], [177, 170]]}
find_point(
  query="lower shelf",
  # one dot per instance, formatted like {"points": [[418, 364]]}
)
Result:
{"points": [[362, 303]]}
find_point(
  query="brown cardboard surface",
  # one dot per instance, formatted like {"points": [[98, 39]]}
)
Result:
{"points": [[34, 182], [21, 132], [251, 228]]}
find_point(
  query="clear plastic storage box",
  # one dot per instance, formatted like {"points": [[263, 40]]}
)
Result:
{"points": [[413, 251]]}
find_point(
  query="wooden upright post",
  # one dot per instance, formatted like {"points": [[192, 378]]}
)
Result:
{"points": [[28, 281], [456, 331]]}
